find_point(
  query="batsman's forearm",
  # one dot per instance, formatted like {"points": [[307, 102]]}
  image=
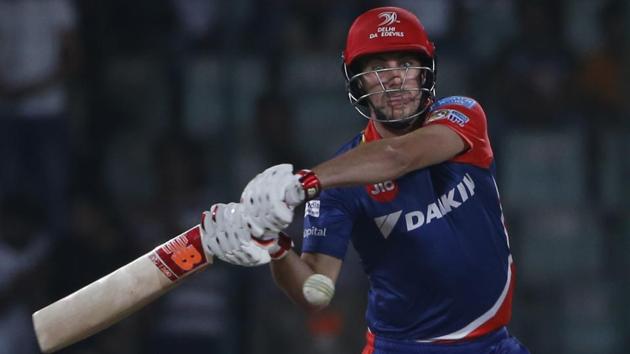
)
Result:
{"points": [[366, 164], [290, 273]]}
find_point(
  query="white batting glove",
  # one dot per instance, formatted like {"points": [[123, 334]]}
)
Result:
{"points": [[224, 235], [270, 198]]}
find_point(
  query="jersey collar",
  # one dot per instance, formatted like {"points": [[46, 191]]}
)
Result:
{"points": [[370, 133]]}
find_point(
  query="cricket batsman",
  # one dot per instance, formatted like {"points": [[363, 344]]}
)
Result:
{"points": [[414, 192]]}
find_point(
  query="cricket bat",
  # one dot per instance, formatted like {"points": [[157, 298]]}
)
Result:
{"points": [[108, 300]]}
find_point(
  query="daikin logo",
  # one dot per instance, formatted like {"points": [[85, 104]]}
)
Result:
{"points": [[389, 18], [443, 205], [387, 222]]}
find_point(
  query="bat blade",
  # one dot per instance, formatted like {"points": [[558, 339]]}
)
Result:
{"points": [[106, 301]]}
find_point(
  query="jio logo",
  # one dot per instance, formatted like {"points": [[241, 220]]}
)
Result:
{"points": [[383, 191]]}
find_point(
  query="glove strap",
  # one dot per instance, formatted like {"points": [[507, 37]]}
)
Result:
{"points": [[310, 183], [279, 247]]}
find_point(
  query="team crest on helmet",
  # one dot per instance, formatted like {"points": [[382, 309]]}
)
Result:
{"points": [[389, 18]]}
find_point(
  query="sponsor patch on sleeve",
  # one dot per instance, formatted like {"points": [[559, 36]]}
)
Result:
{"points": [[454, 116], [458, 118], [457, 100], [437, 115], [312, 208]]}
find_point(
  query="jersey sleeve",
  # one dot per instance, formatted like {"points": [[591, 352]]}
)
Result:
{"points": [[466, 117], [328, 224]]}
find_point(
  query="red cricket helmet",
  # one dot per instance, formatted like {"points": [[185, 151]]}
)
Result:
{"points": [[381, 30], [386, 29]]}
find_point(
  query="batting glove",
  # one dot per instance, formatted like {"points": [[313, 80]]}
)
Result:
{"points": [[224, 235], [270, 198]]}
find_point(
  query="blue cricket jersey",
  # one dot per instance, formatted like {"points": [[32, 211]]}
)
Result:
{"points": [[432, 242]]}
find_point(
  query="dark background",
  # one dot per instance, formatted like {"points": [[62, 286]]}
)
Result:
{"points": [[174, 105]]}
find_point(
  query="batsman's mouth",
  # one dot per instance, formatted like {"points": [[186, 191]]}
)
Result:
{"points": [[398, 100]]}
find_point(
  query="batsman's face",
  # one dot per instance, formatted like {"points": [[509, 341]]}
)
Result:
{"points": [[393, 81]]}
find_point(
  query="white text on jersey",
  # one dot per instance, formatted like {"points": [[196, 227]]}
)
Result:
{"points": [[436, 210], [444, 205]]}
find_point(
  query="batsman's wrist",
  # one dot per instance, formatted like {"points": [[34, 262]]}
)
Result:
{"points": [[310, 184]]}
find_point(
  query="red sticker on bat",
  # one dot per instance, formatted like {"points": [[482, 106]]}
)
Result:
{"points": [[180, 255]]}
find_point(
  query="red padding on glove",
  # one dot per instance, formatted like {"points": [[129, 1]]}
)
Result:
{"points": [[310, 183]]}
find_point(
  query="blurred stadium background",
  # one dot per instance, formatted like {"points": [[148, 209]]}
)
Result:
{"points": [[120, 121]]}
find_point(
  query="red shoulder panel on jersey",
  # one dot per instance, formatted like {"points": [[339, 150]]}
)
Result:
{"points": [[466, 117]]}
